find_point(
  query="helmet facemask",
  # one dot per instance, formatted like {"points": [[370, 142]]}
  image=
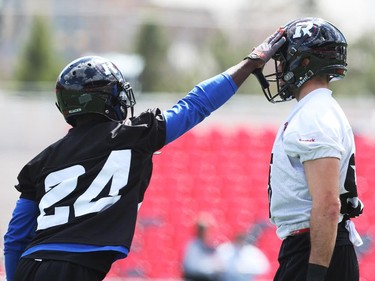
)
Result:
{"points": [[273, 85], [122, 99]]}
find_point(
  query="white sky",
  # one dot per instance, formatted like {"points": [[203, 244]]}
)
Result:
{"points": [[352, 17]]}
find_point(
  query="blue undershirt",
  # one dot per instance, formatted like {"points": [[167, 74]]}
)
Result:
{"points": [[205, 98]]}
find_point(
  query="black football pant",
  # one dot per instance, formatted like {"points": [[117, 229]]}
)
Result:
{"points": [[295, 251], [48, 270]]}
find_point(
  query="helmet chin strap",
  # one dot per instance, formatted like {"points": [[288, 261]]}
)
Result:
{"points": [[265, 85]]}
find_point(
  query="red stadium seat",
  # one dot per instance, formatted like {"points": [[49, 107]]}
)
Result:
{"points": [[226, 175]]}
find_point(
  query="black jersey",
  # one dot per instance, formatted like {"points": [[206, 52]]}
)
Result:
{"points": [[88, 184]]}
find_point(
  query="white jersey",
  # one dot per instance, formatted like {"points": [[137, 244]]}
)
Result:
{"points": [[316, 128]]}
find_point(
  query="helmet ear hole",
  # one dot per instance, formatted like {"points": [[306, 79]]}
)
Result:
{"points": [[305, 62]]}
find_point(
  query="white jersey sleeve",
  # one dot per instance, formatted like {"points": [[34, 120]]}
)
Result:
{"points": [[317, 131]]}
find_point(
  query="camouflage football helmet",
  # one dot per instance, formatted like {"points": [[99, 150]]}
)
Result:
{"points": [[93, 84]]}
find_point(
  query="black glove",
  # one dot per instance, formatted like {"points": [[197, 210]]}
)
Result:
{"points": [[355, 207]]}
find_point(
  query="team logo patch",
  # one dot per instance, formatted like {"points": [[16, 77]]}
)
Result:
{"points": [[306, 31]]}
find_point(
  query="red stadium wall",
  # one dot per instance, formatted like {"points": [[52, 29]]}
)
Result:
{"points": [[225, 175]]}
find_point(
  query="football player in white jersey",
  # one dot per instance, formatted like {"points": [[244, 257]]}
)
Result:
{"points": [[312, 184]]}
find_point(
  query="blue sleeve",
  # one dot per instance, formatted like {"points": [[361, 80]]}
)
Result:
{"points": [[205, 98], [21, 230]]}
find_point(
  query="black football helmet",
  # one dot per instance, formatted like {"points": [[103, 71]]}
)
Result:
{"points": [[315, 39], [93, 84]]}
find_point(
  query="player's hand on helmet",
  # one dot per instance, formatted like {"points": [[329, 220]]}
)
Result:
{"points": [[269, 47]]}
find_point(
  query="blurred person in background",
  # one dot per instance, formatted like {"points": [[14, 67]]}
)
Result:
{"points": [[79, 197], [240, 260], [312, 183], [200, 261]]}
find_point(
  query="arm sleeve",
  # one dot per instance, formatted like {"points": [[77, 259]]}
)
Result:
{"points": [[205, 98], [21, 230]]}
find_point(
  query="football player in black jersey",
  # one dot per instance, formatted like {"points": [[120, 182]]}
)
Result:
{"points": [[80, 196]]}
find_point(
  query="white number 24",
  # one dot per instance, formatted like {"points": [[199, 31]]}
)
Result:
{"points": [[62, 183]]}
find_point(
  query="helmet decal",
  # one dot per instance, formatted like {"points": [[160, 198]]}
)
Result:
{"points": [[304, 29]]}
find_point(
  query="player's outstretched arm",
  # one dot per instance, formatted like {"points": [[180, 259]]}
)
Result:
{"points": [[209, 95]]}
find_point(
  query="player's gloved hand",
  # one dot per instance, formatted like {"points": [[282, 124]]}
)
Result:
{"points": [[355, 207], [269, 47]]}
